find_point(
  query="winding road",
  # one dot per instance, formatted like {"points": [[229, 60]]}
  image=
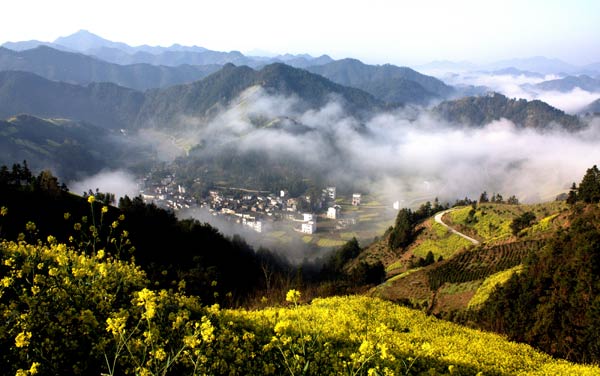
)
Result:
{"points": [[438, 219]]}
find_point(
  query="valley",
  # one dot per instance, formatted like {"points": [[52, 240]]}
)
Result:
{"points": [[179, 209]]}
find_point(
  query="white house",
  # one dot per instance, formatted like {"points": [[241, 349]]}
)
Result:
{"points": [[331, 192], [356, 199], [307, 217], [334, 212], [309, 227]]}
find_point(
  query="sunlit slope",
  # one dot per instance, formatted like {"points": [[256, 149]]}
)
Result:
{"points": [[464, 272], [166, 332], [359, 334]]}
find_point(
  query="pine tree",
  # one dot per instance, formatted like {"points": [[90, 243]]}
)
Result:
{"points": [[589, 189], [403, 231], [572, 197]]}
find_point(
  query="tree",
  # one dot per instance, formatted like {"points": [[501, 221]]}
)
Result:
{"points": [[523, 221], [513, 200], [572, 196], [484, 197], [48, 183], [589, 188], [403, 231], [429, 259]]}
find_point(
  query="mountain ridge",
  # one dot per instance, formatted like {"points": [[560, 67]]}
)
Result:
{"points": [[481, 110], [78, 68]]}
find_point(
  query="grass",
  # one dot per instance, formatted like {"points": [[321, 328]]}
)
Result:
{"points": [[277, 234], [489, 284], [441, 242], [393, 266], [402, 275], [458, 288], [348, 235], [543, 225], [325, 242], [492, 221]]}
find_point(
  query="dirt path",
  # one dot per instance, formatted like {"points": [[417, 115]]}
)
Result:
{"points": [[438, 219]]}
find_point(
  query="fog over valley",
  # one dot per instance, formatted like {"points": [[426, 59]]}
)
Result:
{"points": [[247, 140]]}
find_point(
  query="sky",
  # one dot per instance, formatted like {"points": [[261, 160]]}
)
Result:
{"points": [[375, 31]]}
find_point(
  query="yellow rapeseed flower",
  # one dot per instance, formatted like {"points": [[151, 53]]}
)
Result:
{"points": [[34, 368], [30, 226], [293, 296], [22, 339], [160, 354], [3, 211], [91, 199], [104, 209], [6, 281]]}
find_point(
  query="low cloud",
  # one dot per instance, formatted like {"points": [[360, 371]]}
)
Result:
{"points": [[119, 182], [521, 86], [403, 157]]}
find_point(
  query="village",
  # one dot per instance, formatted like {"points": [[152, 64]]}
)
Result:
{"points": [[255, 209]]}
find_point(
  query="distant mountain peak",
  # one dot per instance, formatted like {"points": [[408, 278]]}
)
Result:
{"points": [[84, 40]]}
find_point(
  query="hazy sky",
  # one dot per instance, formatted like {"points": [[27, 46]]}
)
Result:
{"points": [[375, 31]]}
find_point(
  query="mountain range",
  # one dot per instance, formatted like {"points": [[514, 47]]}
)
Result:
{"points": [[481, 110], [81, 69], [49, 83], [104, 104], [84, 57], [120, 53], [114, 107], [387, 82], [537, 65], [571, 82]]}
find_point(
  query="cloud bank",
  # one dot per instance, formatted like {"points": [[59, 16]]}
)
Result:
{"points": [[521, 86], [119, 182], [403, 157]]}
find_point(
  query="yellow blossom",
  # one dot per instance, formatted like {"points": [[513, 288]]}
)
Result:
{"points": [[191, 341], [34, 368], [30, 226], [160, 354], [116, 325], [3, 211], [207, 330], [122, 217], [22, 339], [292, 296], [104, 209], [100, 254], [91, 199], [67, 216]]}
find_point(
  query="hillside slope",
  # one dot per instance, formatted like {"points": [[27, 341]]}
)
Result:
{"points": [[481, 110], [462, 268], [102, 104], [388, 83], [206, 98]]}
